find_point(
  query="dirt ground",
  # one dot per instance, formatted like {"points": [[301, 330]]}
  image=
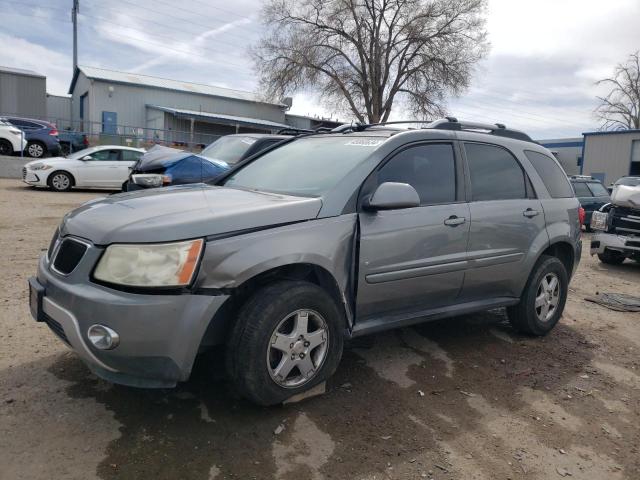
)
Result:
{"points": [[465, 398]]}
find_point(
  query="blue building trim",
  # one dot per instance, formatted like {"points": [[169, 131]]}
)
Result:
{"points": [[563, 144]]}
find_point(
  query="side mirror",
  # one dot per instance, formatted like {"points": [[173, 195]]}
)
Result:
{"points": [[393, 196], [86, 157]]}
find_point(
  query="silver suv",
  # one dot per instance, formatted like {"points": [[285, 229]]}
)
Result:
{"points": [[325, 238]]}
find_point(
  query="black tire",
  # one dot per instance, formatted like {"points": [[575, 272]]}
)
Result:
{"points": [[65, 149], [61, 185], [5, 147], [611, 257], [249, 345], [524, 316], [36, 149]]}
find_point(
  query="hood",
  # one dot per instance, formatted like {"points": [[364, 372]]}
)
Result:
{"points": [[625, 196], [183, 212]]}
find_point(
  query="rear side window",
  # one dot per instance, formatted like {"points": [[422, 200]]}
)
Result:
{"points": [[553, 177], [131, 155], [598, 189], [582, 190], [495, 173], [430, 169]]}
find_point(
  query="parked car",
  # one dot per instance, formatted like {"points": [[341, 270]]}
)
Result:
{"points": [[592, 195], [106, 166], [164, 166], [330, 236], [71, 142], [12, 140], [42, 137]]}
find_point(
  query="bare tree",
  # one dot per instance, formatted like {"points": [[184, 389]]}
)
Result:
{"points": [[364, 55], [620, 109]]}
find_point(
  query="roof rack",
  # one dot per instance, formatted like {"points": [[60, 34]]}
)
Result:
{"points": [[293, 131], [448, 123]]}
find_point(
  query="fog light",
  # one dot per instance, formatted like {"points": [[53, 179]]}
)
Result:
{"points": [[103, 337]]}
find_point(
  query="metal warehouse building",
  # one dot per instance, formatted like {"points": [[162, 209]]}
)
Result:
{"points": [[111, 102], [611, 155], [22, 92], [568, 151]]}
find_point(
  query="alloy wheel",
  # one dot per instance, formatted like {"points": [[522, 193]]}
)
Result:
{"points": [[298, 348], [547, 297], [35, 150], [60, 181]]}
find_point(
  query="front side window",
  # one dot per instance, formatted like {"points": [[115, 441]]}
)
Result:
{"points": [[495, 173], [430, 169], [552, 175], [106, 155], [309, 166]]}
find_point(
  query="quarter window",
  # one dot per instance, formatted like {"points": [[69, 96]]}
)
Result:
{"points": [[495, 173], [582, 190], [430, 169], [552, 175]]}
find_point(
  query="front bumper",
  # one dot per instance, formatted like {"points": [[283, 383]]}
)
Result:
{"points": [[611, 241], [36, 178], [159, 334]]}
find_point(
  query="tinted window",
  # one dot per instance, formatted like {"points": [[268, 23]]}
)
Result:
{"points": [[106, 155], [582, 190], [598, 189], [495, 173], [430, 169], [553, 177], [130, 155]]}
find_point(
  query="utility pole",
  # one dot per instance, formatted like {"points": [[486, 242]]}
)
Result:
{"points": [[74, 19]]}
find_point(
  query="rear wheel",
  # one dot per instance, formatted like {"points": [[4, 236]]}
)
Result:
{"points": [[36, 149], [287, 339], [60, 181], [65, 149], [611, 257], [5, 147], [543, 298]]}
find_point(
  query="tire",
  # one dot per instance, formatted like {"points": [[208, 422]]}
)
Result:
{"points": [[611, 257], [541, 304], [60, 181], [36, 149], [5, 147], [65, 149], [272, 313]]}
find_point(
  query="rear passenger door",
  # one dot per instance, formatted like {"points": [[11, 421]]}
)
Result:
{"points": [[506, 221], [413, 259]]}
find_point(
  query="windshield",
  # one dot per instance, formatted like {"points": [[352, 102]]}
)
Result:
{"points": [[629, 181], [308, 166], [229, 149]]}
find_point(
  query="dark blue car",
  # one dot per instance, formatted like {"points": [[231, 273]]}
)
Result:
{"points": [[41, 136], [591, 193], [163, 166]]}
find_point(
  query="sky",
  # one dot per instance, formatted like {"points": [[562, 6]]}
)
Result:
{"points": [[539, 76]]}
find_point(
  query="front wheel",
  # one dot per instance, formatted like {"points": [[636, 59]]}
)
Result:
{"points": [[287, 339], [611, 257], [543, 298], [60, 181]]}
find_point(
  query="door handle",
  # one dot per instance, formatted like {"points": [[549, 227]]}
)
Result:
{"points": [[530, 213], [454, 220]]}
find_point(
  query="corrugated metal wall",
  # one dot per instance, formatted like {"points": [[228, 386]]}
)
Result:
{"points": [[22, 95], [609, 154], [59, 110]]}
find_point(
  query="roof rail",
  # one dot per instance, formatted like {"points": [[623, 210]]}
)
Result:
{"points": [[448, 123], [293, 131]]}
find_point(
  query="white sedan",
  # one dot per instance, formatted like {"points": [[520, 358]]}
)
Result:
{"points": [[105, 166]]}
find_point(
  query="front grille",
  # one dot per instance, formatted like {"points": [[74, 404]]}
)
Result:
{"points": [[625, 220], [69, 254], [632, 243], [24, 173], [56, 328]]}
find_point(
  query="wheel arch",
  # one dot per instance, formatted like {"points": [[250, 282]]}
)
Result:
{"points": [[563, 250], [62, 170]]}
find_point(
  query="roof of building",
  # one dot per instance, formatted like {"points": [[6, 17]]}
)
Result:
{"points": [[220, 118], [115, 76], [21, 71], [612, 132]]}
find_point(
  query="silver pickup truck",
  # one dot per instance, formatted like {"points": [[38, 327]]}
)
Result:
{"points": [[320, 239]]}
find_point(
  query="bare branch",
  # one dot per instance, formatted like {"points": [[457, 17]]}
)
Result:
{"points": [[620, 108]]}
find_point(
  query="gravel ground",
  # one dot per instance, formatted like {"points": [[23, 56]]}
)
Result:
{"points": [[465, 398]]}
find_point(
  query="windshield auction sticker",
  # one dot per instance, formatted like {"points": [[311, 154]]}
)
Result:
{"points": [[364, 142]]}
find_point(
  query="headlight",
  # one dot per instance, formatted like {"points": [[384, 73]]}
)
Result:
{"points": [[40, 166], [150, 179], [159, 265], [599, 220]]}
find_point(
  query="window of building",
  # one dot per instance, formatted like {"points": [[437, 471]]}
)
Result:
{"points": [[495, 173], [430, 169]]}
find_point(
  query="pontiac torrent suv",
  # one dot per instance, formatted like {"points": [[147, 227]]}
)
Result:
{"points": [[328, 237]]}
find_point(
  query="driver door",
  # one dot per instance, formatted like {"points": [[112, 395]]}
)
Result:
{"points": [[102, 169], [414, 259]]}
